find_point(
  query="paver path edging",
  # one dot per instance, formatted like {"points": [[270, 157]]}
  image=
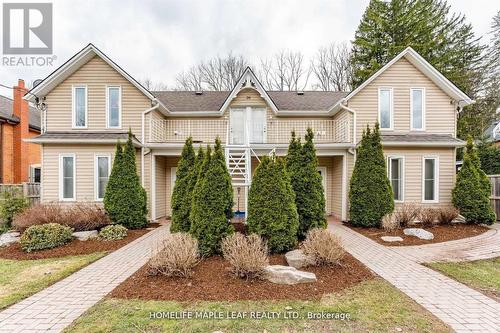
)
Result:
{"points": [[57, 306], [461, 307], [483, 246]]}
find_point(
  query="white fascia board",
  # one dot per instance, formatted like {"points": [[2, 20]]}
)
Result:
{"points": [[423, 144], [425, 67], [78, 141]]}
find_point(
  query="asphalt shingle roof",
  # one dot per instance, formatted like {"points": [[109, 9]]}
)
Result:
{"points": [[410, 138], [189, 101], [6, 109]]}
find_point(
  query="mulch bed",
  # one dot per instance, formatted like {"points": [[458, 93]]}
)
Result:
{"points": [[211, 281], [73, 248], [442, 233]]}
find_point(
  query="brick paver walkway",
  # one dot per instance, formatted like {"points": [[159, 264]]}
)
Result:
{"points": [[484, 246], [54, 308], [462, 308]]}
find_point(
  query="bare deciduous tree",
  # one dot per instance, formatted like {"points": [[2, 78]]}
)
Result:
{"points": [[332, 69], [286, 70], [153, 85], [219, 73]]}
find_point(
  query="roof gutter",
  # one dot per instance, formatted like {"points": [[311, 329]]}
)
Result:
{"points": [[422, 144], [143, 120]]}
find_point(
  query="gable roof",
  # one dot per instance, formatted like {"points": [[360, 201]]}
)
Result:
{"points": [[6, 113], [212, 101], [72, 65], [426, 68]]}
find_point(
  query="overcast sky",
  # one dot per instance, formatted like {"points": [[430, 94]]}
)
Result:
{"points": [[157, 39]]}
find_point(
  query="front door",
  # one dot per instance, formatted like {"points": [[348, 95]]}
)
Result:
{"points": [[258, 126]]}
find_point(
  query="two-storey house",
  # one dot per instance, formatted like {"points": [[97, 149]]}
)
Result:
{"points": [[91, 103]]}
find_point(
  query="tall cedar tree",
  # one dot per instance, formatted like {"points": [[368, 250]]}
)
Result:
{"points": [[370, 194], [183, 189], [302, 166], [220, 159], [471, 194], [474, 157], [272, 213], [489, 154], [125, 199], [209, 220], [441, 37]]}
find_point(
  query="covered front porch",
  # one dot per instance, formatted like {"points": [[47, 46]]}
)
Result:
{"points": [[333, 167]]}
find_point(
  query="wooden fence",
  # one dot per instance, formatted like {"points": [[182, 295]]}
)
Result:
{"points": [[495, 194], [29, 190]]}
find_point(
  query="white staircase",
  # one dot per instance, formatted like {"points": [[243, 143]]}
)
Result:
{"points": [[238, 161]]}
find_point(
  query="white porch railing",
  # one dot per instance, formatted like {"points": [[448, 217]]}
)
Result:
{"points": [[274, 131], [178, 130]]}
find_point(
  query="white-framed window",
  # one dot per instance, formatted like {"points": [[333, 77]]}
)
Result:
{"points": [[395, 166], [417, 109], [173, 178], [79, 97], [35, 173], [385, 108], [113, 107], [102, 170], [430, 179], [67, 177]]}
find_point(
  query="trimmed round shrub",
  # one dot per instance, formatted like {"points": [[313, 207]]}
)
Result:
{"points": [[113, 232], [45, 236], [175, 256], [247, 255], [324, 247]]}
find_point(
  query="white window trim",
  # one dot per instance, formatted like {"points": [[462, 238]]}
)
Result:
{"points": [[436, 181], [119, 107], [423, 108], [61, 182], [389, 170], [96, 173], [391, 108], [31, 172], [173, 178], [73, 104]]}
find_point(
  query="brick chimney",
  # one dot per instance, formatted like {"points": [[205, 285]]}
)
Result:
{"points": [[21, 131]]}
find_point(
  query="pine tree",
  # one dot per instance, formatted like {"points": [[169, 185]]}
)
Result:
{"points": [[469, 194], [183, 189], [220, 159], [209, 221], [442, 38], [302, 165], [272, 213], [370, 194], [124, 199]]}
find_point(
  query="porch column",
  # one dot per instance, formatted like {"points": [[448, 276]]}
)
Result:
{"points": [[344, 187], [153, 187]]}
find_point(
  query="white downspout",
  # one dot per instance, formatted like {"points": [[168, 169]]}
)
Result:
{"points": [[143, 119], [344, 167], [345, 107]]}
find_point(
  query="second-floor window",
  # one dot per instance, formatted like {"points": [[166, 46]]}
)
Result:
{"points": [[417, 108], [385, 108], [113, 107], [79, 106]]}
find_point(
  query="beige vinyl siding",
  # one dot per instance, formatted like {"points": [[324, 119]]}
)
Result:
{"points": [[347, 116], [413, 158], [401, 76], [336, 186], [248, 97], [84, 167], [153, 115], [96, 74], [161, 186]]}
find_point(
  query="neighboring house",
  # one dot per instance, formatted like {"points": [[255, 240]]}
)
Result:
{"points": [[19, 160], [92, 102], [492, 133]]}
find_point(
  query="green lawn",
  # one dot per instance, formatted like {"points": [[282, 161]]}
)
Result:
{"points": [[374, 306], [483, 275], [22, 278]]}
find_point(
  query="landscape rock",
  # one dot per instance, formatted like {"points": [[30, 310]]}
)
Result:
{"points": [[8, 238], [418, 232], [298, 259], [85, 235], [287, 275], [392, 239]]}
